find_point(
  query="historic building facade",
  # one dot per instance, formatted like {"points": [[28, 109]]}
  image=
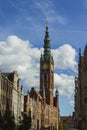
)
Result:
{"points": [[81, 92], [50, 110], [33, 104], [11, 94], [43, 104]]}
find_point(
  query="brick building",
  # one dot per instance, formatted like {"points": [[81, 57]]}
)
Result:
{"points": [[81, 92], [45, 103]]}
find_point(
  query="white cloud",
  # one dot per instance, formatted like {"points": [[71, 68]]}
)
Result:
{"points": [[20, 55], [64, 83], [72, 103], [64, 57], [16, 54]]}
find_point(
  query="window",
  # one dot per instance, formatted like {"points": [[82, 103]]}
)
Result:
{"points": [[45, 77], [85, 100]]}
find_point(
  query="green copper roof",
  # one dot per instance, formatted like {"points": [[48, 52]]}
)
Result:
{"points": [[47, 39], [47, 52]]}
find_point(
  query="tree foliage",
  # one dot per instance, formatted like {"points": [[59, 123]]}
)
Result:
{"points": [[8, 121], [62, 126], [25, 122]]}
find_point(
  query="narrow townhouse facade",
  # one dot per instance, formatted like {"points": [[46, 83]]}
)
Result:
{"points": [[6, 87], [11, 94], [33, 104]]}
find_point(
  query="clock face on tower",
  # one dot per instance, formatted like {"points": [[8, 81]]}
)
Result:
{"points": [[52, 68], [45, 66]]}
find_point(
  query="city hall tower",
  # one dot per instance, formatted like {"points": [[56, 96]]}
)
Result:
{"points": [[47, 70]]}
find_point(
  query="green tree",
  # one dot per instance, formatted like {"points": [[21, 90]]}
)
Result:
{"points": [[8, 121], [64, 126], [60, 125], [25, 122], [1, 121]]}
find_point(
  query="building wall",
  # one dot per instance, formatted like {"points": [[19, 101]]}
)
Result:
{"points": [[32, 102], [18, 99], [5, 94], [43, 115], [50, 117], [81, 93], [77, 102], [11, 94]]}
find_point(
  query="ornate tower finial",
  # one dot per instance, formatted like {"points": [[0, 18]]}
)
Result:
{"points": [[47, 39], [46, 21]]}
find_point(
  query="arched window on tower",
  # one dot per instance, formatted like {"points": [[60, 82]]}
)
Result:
{"points": [[43, 78], [46, 78]]}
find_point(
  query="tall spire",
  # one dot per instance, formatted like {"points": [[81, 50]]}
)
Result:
{"points": [[47, 49], [47, 38]]}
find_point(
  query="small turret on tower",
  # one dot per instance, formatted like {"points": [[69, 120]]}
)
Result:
{"points": [[56, 92], [57, 97]]}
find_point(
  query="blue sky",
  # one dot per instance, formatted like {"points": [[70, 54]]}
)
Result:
{"points": [[22, 30]]}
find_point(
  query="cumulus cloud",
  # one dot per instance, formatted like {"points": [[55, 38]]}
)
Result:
{"points": [[64, 57], [20, 55], [64, 83], [16, 54]]}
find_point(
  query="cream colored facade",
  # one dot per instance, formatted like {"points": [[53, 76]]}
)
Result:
{"points": [[11, 94], [50, 117], [5, 93], [17, 97]]}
